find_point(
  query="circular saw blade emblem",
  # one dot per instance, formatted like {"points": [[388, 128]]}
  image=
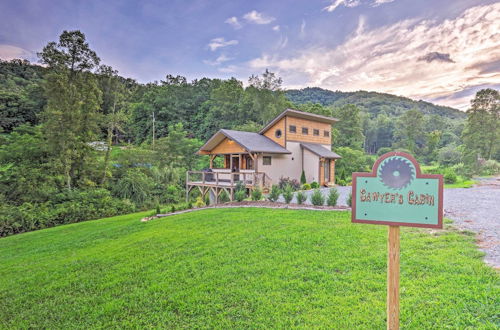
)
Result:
{"points": [[396, 173]]}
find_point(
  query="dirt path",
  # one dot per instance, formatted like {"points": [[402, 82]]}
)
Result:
{"points": [[478, 209]]}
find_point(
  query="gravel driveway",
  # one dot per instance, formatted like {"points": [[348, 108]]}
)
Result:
{"points": [[476, 209]]}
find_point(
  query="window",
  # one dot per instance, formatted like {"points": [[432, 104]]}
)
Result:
{"points": [[305, 130], [326, 134], [266, 160], [277, 133], [316, 132], [293, 129]]}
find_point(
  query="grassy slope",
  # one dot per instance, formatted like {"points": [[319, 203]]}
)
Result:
{"points": [[240, 268]]}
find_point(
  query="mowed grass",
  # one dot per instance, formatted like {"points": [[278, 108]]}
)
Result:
{"points": [[240, 268]]}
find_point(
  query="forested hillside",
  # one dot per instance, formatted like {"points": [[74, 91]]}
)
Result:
{"points": [[78, 141], [371, 102]]}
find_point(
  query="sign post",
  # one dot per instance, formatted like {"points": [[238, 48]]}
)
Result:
{"points": [[396, 193]]}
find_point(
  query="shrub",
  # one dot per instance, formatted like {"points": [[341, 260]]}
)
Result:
{"points": [[314, 185], [303, 178], [172, 209], [383, 150], [450, 176], [189, 205], [490, 167], [341, 183], [240, 185], [172, 194], [199, 202], [301, 197], [274, 194], [240, 195], [288, 194], [289, 182], [317, 198], [349, 199], [306, 186], [158, 210], [223, 197], [333, 196], [256, 194], [135, 186]]}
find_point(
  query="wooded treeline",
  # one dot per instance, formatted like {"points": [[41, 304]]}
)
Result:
{"points": [[79, 141]]}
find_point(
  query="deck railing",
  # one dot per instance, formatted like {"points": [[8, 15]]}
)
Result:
{"points": [[228, 179]]}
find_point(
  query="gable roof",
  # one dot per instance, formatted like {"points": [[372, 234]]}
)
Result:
{"points": [[251, 142], [320, 150], [299, 114]]}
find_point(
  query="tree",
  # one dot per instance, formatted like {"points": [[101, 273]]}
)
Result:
{"points": [[347, 132], [409, 131], [481, 135], [71, 118]]}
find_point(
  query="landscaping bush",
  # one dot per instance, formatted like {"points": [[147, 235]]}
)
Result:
{"points": [[293, 183], [223, 197], [199, 202], [274, 194], [288, 194], [490, 167], [314, 185], [383, 151], [349, 199], [256, 194], [301, 197], [317, 198], [240, 195], [333, 196], [303, 178], [306, 186], [449, 176]]}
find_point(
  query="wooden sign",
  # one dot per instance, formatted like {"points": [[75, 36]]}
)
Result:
{"points": [[396, 193]]}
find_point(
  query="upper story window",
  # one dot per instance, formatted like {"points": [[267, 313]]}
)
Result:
{"points": [[278, 133], [316, 132], [326, 134], [305, 130], [266, 160], [293, 129]]}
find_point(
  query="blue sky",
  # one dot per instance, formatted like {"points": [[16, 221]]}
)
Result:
{"points": [[440, 51]]}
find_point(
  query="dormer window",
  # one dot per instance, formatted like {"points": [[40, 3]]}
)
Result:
{"points": [[305, 130]]}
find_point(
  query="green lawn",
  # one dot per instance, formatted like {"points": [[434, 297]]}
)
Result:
{"points": [[243, 268]]}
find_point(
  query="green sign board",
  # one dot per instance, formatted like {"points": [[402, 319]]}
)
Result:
{"points": [[397, 193]]}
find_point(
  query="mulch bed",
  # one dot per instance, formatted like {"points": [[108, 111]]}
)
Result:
{"points": [[261, 204]]}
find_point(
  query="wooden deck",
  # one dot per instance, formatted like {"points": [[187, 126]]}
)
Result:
{"points": [[216, 182]]}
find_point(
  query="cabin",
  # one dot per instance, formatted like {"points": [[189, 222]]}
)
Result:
{"points": [[293, 142]]}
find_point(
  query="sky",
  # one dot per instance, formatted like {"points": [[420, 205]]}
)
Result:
{"points": [[442, 51]]}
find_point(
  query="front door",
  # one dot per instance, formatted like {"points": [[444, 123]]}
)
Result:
{"points": [[236, 168], [326, 166]]}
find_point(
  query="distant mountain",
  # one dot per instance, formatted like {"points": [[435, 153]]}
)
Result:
{"points": [[370, 102]]}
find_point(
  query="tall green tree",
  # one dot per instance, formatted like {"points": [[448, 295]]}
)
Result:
{"points": [[347, 132], [409, 131], [481, 135], [71, 117]]}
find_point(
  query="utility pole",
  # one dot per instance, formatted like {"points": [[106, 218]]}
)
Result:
{"points": [[153, 129]]}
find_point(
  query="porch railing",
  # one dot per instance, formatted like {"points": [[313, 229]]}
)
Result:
{"points": [[228, 179]]}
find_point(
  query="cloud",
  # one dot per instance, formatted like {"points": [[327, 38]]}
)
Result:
{"points": [[436, 56], [257, 18], [233, 21], [276, 28], [380, 2], [219, 60], [302, 33], [229, 69], [386, 59], [9, 52], [336, 3], [220, 43]]}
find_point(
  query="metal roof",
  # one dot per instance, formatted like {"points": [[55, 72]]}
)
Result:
{"points": [[251, 142], [319, 150], [300, 114]]}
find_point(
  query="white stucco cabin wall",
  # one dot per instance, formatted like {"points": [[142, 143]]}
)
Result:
{"points": [[311, 166]]}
